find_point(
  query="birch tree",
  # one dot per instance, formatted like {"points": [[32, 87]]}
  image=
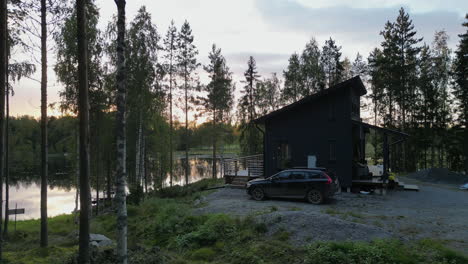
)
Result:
{"points": [[121, 183]]}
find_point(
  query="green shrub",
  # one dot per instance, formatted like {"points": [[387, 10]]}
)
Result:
{"points": [[205, 254]]}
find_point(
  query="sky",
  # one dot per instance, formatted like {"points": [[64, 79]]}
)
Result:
{"points": [[269, 30]]}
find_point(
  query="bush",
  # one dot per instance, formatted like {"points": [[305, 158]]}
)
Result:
{"points": [[205, 254], [381, 252]]}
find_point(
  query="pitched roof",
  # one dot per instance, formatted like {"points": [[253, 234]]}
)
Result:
{"points": [[354, 82]]}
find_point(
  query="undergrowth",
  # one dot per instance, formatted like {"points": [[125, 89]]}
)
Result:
{"points": [[162, 229]]}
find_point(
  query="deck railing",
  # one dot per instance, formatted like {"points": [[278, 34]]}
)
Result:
{"points": [[248, 166]]}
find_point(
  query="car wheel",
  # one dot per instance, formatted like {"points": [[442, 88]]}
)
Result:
{"points": [[315, 197], [258, 194]]}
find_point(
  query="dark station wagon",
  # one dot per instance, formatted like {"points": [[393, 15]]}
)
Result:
{"points": [[313, 185]]}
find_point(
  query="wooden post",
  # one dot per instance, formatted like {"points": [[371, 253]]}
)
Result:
{"points": [[385, 164], [235, 168], [385, 158]]}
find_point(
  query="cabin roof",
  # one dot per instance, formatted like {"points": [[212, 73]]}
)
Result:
{"points": [[354, 82], [381, 129]]}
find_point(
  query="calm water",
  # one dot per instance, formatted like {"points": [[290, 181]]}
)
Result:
{"points": [[62, 200]]}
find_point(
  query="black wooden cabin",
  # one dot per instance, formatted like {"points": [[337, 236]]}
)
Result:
{"points": [[324, 127]]}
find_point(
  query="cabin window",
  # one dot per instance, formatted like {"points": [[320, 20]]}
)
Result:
{"points": [[284, 156], [332, 150]]}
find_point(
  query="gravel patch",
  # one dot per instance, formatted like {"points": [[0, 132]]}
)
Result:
{"points": [[304, 227], [436, 212]]}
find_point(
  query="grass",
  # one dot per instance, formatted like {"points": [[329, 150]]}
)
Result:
{"points": [[163, 230]]}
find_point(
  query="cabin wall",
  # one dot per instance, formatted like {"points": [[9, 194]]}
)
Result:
{"points": [[321, 128]]}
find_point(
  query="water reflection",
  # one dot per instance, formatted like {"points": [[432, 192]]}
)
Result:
{"points": [[61, 200], [200, 167], [27, 195]]}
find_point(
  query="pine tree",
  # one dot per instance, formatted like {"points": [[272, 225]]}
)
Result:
{"points": [[220, 95], [312, 74], [400, 52], [250, 138], [359, 67], [170, 48], [187, 64], [268, 91], [83, 114], [142, 66], [428, 103], [461, 85], [330, 59], [347, 69], [377, 92], [293, 85]]}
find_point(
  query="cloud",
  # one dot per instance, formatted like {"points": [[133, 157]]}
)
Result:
{"points": [[267, 63], [358, 28]]}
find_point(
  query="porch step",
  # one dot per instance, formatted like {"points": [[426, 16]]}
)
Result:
{"points": [[240, 181]]}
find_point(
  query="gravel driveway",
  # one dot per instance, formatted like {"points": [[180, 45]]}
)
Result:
{"points": [[436, 211]]}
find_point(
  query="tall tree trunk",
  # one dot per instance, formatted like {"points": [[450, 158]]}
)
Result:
{"points": [[142, 161], [145, 167], [7, 150], [120, 196], [3, 64], [214, 143], [77, 147], [44, 158], [97, 180], [138, 150], [83, 113], [7, 144], [465, 139], [186, 134], [171, 127], [108, 196]]}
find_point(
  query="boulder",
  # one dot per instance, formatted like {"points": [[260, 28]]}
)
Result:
{"points": [[99, 240]]}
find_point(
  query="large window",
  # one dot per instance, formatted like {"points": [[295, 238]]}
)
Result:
{"points": [[283, 155]]}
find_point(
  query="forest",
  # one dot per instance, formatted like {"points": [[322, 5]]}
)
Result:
{"points": [[133, 104]]}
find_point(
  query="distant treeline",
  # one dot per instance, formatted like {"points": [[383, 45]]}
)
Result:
{"points": [[25, 146]]}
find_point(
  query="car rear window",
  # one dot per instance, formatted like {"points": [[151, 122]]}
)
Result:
{"points": [[313, 175], [297, 175]]}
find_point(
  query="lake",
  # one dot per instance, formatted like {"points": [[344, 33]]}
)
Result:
{"points": [[62, 200]]}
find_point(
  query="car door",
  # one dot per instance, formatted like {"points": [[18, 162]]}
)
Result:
{"points": [[297, 185], [314, 180], [278, 185]]}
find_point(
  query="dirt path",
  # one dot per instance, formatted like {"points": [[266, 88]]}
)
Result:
{"points": [[436, 211]]}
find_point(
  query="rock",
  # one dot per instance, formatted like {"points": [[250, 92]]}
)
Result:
{"points": [[99, 240], [97, 237], [105, 243]]}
